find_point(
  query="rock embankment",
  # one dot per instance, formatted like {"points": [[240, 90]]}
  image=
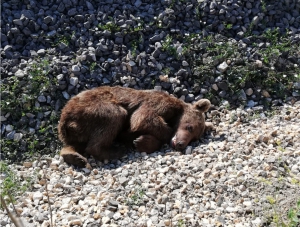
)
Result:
{"points": [[245, 52]]}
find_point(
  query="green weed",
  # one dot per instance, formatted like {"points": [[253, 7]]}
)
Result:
{"points": [[136, 198], [62, 39], [135, 44], [290, 220], [198, 13], [181, 223], [19, 98], [110, 26], [12, 185], [22, 93], [293, 215], [135, 29], [228, 26], [166, 70], [274, 75], [263, 6], [249, 30], [167, 43], [93, 66], [275, 215], [168, 47]]}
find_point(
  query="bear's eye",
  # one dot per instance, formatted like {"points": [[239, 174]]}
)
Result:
{"points": [[189, 128]]}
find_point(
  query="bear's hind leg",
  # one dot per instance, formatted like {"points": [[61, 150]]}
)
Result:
{"points": [[71, 156], [101, 145]]}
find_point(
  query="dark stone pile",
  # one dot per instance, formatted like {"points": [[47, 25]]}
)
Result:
{"points": [[245, 52]]}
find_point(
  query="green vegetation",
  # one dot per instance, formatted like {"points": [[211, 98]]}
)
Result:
{"points": [[263, 6], [93, 66], [276, 47], [249, 30], [275, 214], [19, 101], [220, 50], [181, 223], [135, 44], [136, 198], [62, 39], [168, 46], [228, 26], [204, 53], [110, 26], [134, 47], [135, 29], [272, 73], [166, 70], [293, 215], [198, 13], [12, 185], [167, 43], [289, 220], [19, 94]]}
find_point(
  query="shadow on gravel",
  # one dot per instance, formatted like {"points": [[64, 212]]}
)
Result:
{"points": [[131, 155]]}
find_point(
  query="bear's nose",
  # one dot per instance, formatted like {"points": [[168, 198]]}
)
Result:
{"points": [[179, 145]]}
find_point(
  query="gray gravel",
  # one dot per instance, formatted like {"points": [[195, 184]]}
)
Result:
{"points": [[224, 181]]}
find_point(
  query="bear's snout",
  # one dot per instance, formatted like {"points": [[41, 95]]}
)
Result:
{"points": [[178, 144]]}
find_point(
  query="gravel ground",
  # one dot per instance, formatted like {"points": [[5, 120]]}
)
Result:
{"points": [[226, 180]]}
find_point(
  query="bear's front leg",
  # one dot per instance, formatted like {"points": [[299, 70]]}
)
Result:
{"points": [[147, 143], [145, 122]]}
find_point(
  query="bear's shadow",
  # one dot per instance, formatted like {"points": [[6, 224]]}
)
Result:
{"points": [[132, 156]]}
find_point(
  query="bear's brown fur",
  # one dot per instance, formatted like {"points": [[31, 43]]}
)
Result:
{"points": [[93, 120]]}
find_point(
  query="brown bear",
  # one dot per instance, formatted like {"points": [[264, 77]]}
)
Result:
{"points": [[92, 121]]}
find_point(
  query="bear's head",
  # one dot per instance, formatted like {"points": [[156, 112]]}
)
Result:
{"points": [[191, 125]]}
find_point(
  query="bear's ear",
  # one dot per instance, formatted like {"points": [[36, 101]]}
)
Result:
{"points": [[202, 105]]}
